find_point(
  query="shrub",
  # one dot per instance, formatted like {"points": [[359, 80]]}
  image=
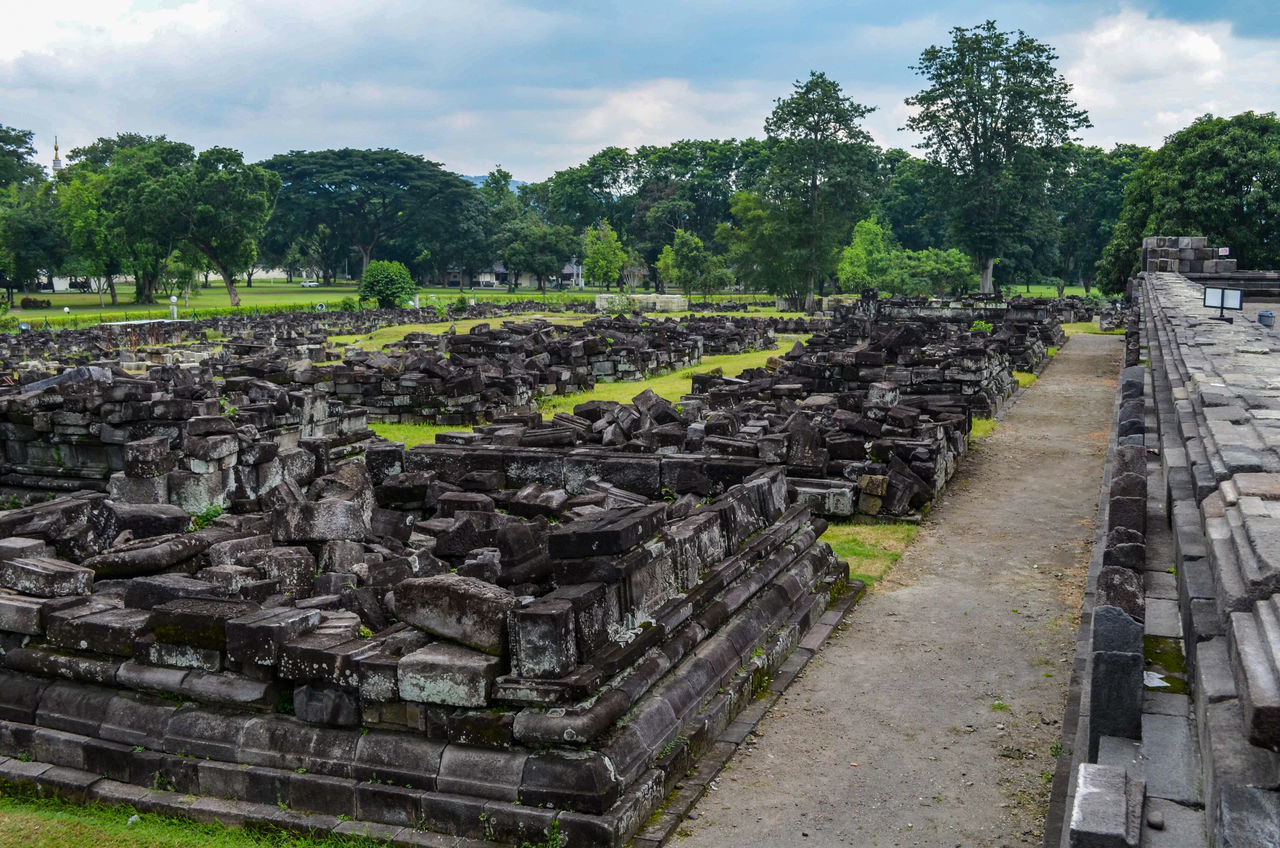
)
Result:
{"points": [[35, 303], [389, 283], [981, 326]]}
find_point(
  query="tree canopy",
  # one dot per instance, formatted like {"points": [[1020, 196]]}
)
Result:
{"points": [[994, 109], [1218, 178]]}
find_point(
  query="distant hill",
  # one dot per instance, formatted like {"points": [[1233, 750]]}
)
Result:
{"points": [[480, 180]]}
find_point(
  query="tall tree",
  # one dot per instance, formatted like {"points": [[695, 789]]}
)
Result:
{"points": [[17, 157], [865, 262], [220, 205], [532, 246], [365, 197], [1089, 196], [994, 106], [602, 255], [820, 171], [139, 197], [1218, 178], [685, 263], [761, 247], [32, 241]]}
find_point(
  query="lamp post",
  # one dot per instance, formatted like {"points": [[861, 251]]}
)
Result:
{"points": [[173, 307]]}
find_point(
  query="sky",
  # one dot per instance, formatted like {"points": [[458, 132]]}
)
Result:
{"points": [[539, 86]]}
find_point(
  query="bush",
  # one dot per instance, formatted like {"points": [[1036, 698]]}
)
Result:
{"points": [[389, 283], [35, 303]]}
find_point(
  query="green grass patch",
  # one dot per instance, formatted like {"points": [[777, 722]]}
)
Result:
{"points": [[29, 822], [1053, 351], [670, 386], [1024, 378], [1089, 328], [871, 545], [982, 427]]}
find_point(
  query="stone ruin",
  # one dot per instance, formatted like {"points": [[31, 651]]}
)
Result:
{"points": [[537, 625], [518, 658], [1173, 736]]}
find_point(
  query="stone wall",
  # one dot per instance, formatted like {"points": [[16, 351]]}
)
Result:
{"points": [[1193, 601]]}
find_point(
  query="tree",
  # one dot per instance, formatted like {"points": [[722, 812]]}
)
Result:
{"points": [[220, 205], [909, 201], [84, 221], [864, 264], [532, 246], [387, 282], [930, 272], [138, 196], [602, 255], [995, 103], [762, 249], [685, 263], [1218, 178], [32, 241], [366, 198], [1088, 200], [17, 165], [820, 171]]}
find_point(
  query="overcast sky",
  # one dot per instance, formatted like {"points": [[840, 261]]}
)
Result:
{"points": [[540, 86]]}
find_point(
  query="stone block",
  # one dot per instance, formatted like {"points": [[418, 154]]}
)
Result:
{"points": [[197, 622], [257, 638], [1115, 703], [543, 638], [463, 609], [20, 613], [1255, 643], [44, 577], [1122, 588], [320, 703], [605, 533], [17, 547], [1107, 812], [321, 521], [1247, 817], [149, 591], [442, 673]]}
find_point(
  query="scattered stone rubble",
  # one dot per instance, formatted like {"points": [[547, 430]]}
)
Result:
{"points": [[536, 624]]}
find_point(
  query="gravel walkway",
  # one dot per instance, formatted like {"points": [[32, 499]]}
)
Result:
{"points": [[931, 717]]}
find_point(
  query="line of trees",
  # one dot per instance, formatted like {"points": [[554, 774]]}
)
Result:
{"points": [[1001, 193]]}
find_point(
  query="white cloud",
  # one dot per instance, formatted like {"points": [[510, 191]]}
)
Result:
{"points": [[1144, 77]]}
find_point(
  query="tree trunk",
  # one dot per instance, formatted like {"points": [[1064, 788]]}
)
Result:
{"points": [[111, 284], [248, 279], [365, 254], [145, 288], [231, 287], [987, 286]]}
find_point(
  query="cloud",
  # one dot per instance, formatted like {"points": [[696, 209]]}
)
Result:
{"points": [[1143, 77], [540, 86]]}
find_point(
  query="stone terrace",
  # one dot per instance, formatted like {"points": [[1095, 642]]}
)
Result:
{"points": [[1190, 567]]}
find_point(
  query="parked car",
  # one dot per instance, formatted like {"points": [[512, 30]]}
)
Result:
{"points": [[309, 284]]}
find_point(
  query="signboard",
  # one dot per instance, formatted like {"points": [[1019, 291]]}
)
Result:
{"points": [[1216, 298], [1222, 299], [1224, 251]]}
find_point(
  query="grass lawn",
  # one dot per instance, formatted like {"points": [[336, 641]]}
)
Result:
{"points": [[670, 386], [48, 823], [1089, 327], [871, 545], [1024, 378], [1036, 290], [263, 293]]}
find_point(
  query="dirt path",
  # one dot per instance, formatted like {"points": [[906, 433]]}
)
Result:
{"points": [[929, 719]]}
